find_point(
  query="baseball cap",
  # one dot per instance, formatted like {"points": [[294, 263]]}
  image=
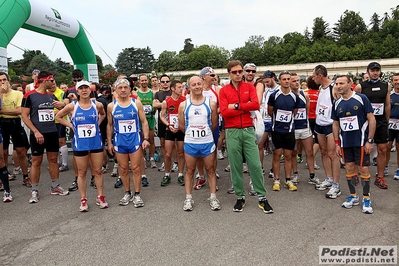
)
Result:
{"points": [[35, 71], [205, 71], [373, 65], [269, 74], [82, 83]]}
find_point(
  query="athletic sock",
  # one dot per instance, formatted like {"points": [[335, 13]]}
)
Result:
{"points": [[54, 183], [64, 155]]}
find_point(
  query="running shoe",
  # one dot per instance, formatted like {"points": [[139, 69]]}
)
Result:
{"points": [[153, 164], [215, 204], [295, 179], [227, 169], [17, 171], [144, 182], [199, 184], [93, 183], [34, 198], [299, 159], [118, 183], [165, 181], [244, 168], [64, 168], [137, 201], [126, 199], [252, 191], [271, 174], [188, 205], [7, 197], [59, 191], [375, 161], [220, 155], [100, 201], [323, 185], [84, 207], [162, 168], [291, 187], [105, 169], [396, 176], [316, 167], [366, 208], [333, 193], [180, 180], [26, 182], [239, 206], [231, 190], [381, 183], [314, 181], [350, 202], [114, 172], [11, 177], [265, 206], [386, 172], [276, 185], [174, 168]]}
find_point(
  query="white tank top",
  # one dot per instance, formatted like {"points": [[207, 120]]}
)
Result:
{"points": [[324, 107], [198, 122]]}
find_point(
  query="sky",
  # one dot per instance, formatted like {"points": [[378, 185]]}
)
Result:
{"points": [[114, 25]]}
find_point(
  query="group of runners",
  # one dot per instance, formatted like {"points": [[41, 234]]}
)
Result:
{"points": [[194, 118]]}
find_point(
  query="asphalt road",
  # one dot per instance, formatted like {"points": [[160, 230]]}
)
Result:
{"points": [[54, 232]]}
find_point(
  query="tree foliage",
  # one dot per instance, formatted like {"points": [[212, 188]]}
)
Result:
{"points": [[135, 60]]}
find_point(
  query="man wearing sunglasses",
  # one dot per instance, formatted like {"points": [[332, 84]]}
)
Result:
{"points": [[237, 99], [250, 72], [38, 115], [159, 97]]}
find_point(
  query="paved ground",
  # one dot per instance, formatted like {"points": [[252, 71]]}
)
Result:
{"points": [[53, 232]]}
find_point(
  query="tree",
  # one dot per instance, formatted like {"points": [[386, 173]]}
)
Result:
{"points": [[42, 62], [62, 66], [188, 46], [395, 13], [320, 29], [135, 60], [206, 55], [375, 22], [165, 62], [100, 66], [351, 26]]}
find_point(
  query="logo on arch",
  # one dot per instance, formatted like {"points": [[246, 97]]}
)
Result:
{"points": [[56, 14]]}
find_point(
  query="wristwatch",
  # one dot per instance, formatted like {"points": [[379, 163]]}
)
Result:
{"points": [[236, 105], [370, 141], [147, 139]]}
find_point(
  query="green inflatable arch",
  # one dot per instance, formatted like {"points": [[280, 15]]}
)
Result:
{"points": [[35, 16]]}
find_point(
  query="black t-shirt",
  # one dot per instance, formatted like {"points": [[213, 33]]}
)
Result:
{"points": [[377, 93], [161, 96]]}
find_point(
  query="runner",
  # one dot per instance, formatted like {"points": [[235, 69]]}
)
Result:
{"points": [[86, 115]]}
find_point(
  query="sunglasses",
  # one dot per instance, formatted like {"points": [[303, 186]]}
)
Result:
{"points": [[77, 80], [250, 71], [51, 80], [164, 81], [212, 75], [235, 72]]}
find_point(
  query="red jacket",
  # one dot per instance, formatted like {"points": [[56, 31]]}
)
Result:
{"points": [[247, 99]]}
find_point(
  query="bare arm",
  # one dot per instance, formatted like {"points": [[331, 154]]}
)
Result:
{"points": [[368, 147], [388, 103], [65, 111], [214, 116], [182, 122], [16, 111], [336, 137], [101, 112], [163, 112], [110, 128], [144, 125], [358, 88]]}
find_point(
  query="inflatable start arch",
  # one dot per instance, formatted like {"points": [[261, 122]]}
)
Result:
{"points": [[34, 16]]}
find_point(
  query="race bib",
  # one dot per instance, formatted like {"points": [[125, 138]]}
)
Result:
{"points": [[173, 120], [127, 126], [324, 111], [301, 114], [283, 116], [349, 123], [147, 109], [86, 131], [46, 115], [393, 124], [378, 108]]}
